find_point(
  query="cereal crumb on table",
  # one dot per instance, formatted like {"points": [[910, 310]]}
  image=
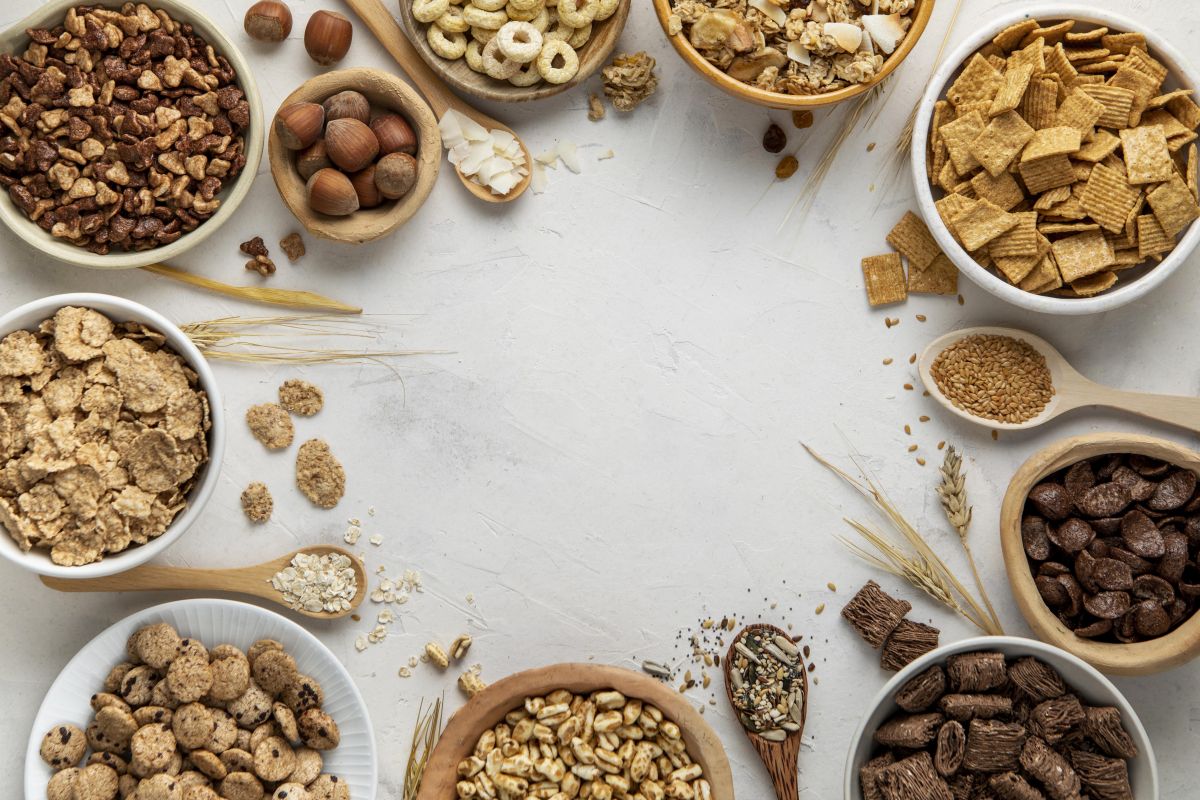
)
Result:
{"points": [[319, 475], [271, 425], [301, 397], [257, 503], [293, 246]]}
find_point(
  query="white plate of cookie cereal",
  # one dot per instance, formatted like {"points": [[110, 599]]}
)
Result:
{"points": [[107, 722]]}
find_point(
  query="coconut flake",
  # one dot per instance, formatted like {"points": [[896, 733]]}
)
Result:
{"points": [[886, 30], [819, 12], [797, 53], [504, 182], [451, 130], [549, 158], [570, 156], [770, 11], [847, 36], [538, 182]]}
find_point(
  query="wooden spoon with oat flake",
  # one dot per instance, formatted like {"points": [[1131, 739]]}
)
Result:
{"points": [[1071, 389], [255, 580], [781, 758]]}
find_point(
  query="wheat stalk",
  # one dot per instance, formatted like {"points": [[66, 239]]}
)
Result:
{"points": [[425, 736], [288, 298], [920, 556], [952, 491]]}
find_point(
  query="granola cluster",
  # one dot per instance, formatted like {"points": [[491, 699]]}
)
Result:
{"points": [[799, 47]]}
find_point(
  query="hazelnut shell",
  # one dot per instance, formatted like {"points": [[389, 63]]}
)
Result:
{"points": [[347, 104], [395, 175], [330, 192], [394, 133], [327, 37], [299, 125], [350, 144], [268, 21], [312, 158], [368, 193]]}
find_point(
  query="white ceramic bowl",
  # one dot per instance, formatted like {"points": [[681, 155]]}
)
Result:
{"points": [[1182, 75], [213, 622], [14, 40], [1084, 680], [119, 309]]}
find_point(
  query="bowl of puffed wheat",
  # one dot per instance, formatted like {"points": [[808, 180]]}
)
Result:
{"points": [[1054, 159], [794, 54], [111, 435], [130, 132]]}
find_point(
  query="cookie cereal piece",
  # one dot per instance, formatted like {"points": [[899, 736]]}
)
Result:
{"points": [[231, 673], [301, 397], [103, 699], [328, 787], [274, 759], [108, 759], [240, 786], [225, 731], [157, 645], [210, 764], [116, 675], [117, 725], [138, 684], [257, 503], [290, 791], [152, 747], [237, 759], [271, 425], [161, 697], [285, 720], [159, 787], [319, 475], [253, 708], [151, 715], [274, 670], [318, 730], [63, 746], [193, 726], [309, 764], [260, 647], [193, 647], [189, 678], [200, 793], [95, 782], [303, 693], [261, 734], [62, 784]]}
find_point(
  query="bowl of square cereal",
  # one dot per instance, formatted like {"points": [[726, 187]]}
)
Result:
{"points": [[794, 54], [1000, 716], [131, 133], [1055, 162], [111, 435]]}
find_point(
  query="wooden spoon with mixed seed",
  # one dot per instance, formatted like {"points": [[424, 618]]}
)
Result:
{"points": [[767, 685]]}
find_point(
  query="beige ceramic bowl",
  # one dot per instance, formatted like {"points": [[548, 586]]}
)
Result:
{"points": [[14, 40], [384, 91], [1143, 658]]}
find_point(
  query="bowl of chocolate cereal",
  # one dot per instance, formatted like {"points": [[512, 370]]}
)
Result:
{"points": [[111, 435], [1000, 716], [1055, 162], [1101, 536], [131, 133], [794, 55]]}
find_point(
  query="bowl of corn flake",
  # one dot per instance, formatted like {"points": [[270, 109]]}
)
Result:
{"points": [[1055, 159], [111, 435]]}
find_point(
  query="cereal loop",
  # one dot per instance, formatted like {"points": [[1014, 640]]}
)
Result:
{"points": [[523, 16], [474, 56], [496, 64], [446, 45], [477, 17], [489, 5], [541, 21], [526, 76], [579, 37], [519, 41], [429, 10], [552, 52], [578, 13], [482, 35], [559, 30], [525, 5], [606, 8], [452, 21]]}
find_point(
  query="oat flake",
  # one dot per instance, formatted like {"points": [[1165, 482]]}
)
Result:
{"points": [[317, 583]]}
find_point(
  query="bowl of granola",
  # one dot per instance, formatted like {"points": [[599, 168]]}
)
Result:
{"points": [[794, 54], [111, 435], [1054, 159], [1000, 716], [135, 152]]}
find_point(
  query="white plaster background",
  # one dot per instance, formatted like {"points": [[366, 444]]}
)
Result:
{"points": [[612, 449]]}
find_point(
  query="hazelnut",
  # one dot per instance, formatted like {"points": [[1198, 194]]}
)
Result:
{"points": [[299, 124], [364, 186], [312, 158], [327, 37], [395, 175], [394, 133], [268, 21], [348, 104], [330, 192], [350, 144]]}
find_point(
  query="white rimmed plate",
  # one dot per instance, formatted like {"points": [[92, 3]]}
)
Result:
{"points": [[213, 622]]}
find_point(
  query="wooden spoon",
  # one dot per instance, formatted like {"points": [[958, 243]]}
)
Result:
{"points": [[254, 580], [1071, 389], [440, 98], [780, 758]]}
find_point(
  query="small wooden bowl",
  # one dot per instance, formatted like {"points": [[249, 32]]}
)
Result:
{"points": [[384, 91], [1142, 658], [488, 708], [752, 94], [465, 80]]}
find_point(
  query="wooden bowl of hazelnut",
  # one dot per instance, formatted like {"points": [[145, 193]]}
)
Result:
{"points": [[354, 153]]}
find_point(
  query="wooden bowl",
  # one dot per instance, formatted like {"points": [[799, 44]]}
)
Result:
{"points": [[488, 708], [465, 80], [752, 94], [384, 91], [1142, 658]]}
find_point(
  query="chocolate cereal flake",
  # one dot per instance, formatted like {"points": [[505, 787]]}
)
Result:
{"points": [[1102, 724], [908, 642], [922, 691], [874, 614], [1035, 679], [1105, 778], [868, 776], [911, 732], [976, 672], [966, 707], [1054, 719], [951, 747], [994, 746], [913, 778], [1051, 769], [1011, 786]]}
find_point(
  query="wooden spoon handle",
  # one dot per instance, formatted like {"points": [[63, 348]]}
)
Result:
{"points": [[153, 577], [781, 760], [1172, 409]]}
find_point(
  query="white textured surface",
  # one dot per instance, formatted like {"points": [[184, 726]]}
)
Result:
{"points": [[612, 450], [213, 622]]}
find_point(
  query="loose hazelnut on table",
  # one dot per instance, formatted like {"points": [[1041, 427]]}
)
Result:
{"points": [[330, 192], [327, 37], [395, 175], [345, 104], [350, 144], [268, 21], [312, 158], [394, 133], [299, 125], [368, 193]]}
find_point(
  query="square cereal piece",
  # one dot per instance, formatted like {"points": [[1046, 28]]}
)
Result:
{"points": [[1086, 55], [980, 223], [994, 746], [1051, 34], [1082, 254], [912, 239], [884, 278], [1142, 61], [1102, 145], [1040, 104], [1117, 104], [1049, 199], [1147, 159], [950, 207], [1108, 198], [1043, 278], [1022, 240], [1060, 228], [1012, 36], [1098, 68], [1126, 259], [1047, 173], [943, 112], [1016, 268], [1001, 142], [978, 82], [1191, 172], [908, 642], [911, 778], [949, 179], [1184, 109], [1174, 205], [1003, 190], [1080, 111], [940, 277], [1032, 55], [958, 136], [1058, 63], [1094, 35], [874, 614], [1172, 127], [1096, 284], [1012, 91], [1143, 86], [1052, 142], [1152, 239], [1123, 42]]}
